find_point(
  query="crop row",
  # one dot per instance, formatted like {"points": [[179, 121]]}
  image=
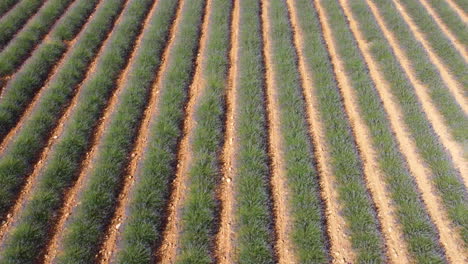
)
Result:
{"points": [[445, 177], [20, 47], [358, 210], [416, 226], [441, 45], [253, 214], [199, 211], [427, 73], [25, 84], [307, 230], [451, 20], [6, 5], [462, 4], [24, 150], [14, 20], [86, 229], [69, 151], [146, 209]]}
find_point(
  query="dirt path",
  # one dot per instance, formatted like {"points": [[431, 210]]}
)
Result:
{"points": [[340, 249], [227, 194], [11, 8], [46, 38], [110, 243], [39, 94], [448, 236], [455, 150], [462, 49], [396, 248], [454, 87], [32, 179], [283, 220], [24, 24], [458, 10], [171, 234], [3, 82], [71, 196]]}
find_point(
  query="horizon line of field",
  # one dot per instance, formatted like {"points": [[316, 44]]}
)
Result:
{"points": [[143, 29]]}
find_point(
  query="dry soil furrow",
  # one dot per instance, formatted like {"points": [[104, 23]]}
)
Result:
{"points": [[71, 196], [226, 235], [3, 82], [458, 10], [449, 34], [170, 240], [341, 249], [45, 39], [283, 244], [113, 233], [24, 25], [448, 236], [152, 109], [36, 99], [455, 150], [454, 86], [32, 179], [396, 248], [9, 10]]}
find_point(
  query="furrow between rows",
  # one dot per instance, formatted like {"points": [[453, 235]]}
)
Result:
{"points": [[6, 6], [180, 185], [280, 192], [396, 250], [455, 83], [409, 212], [171, 81], [71, 198], [200, 210], [366, 233], [33, 104], [25, 86], [40, 29], [110, 244], [59, 173], [452, 146], [225, 253], [340, 246], [17, 18], [51, 139], [410, 151], [460, 47], [92, 130], [253, 225], [461, 10]]}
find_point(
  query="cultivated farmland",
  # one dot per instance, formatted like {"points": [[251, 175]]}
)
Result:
{"points": [[233, 131]]}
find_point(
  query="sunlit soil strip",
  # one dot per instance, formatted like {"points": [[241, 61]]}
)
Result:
{"points": [[171, 234], [453, 147], [422, 175], [463, 50], [396, 250], [226, 236], [458, 10], [456, 89], [278, 178], [341, 249]]}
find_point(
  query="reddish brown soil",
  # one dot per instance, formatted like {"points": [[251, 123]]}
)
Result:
{"points": [[170, 242], [226, 235], [283, 243], [448, 237]]}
